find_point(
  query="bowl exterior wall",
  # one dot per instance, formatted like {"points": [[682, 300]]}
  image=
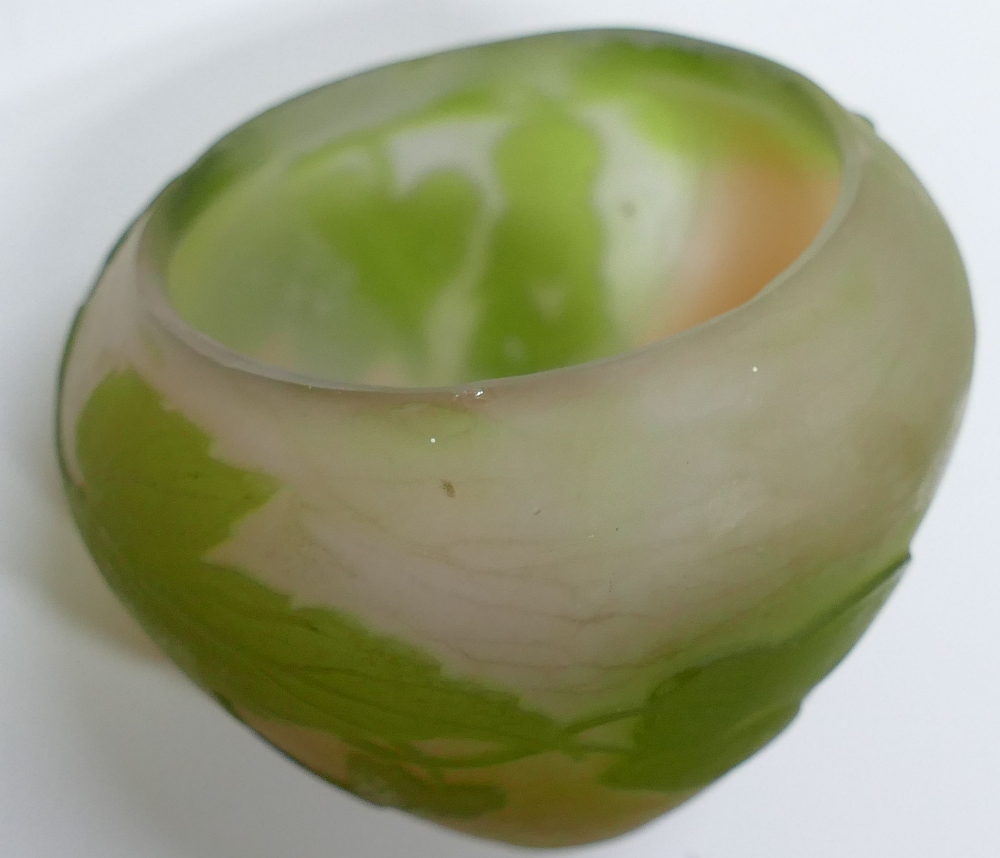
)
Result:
{"points": [[548, 608]]}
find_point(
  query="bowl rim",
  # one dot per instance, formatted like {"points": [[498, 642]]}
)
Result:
{"points": [[848, 149]]}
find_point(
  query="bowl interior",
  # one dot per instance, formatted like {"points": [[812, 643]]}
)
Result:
{"points": [[499, 210]]}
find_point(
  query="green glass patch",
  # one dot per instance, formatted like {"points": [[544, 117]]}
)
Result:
{"points": [[402, 248], [701, 722], [492, 262], [543, 296], [154, 502]]}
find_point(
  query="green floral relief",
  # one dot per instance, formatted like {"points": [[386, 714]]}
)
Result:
{"points": [[154, 502], [543, 297], [539, 301], [701, 722], [340, 273], [402, 248]]}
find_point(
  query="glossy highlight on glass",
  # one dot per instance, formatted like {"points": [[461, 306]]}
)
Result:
{"points": [[514, 436]]}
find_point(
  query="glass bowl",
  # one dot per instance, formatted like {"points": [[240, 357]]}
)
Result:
{"points": [[514, 436]]}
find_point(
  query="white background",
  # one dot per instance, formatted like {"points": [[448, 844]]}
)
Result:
{"points": [[105, 752]]}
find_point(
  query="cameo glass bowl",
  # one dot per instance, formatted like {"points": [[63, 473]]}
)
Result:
{"points": [[514, 436]]}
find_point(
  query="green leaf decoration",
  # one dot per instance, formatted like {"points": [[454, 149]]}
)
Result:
{"points": [[542, 289], [390, 784], [154, 502], [701, 722], [403, 248]]}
